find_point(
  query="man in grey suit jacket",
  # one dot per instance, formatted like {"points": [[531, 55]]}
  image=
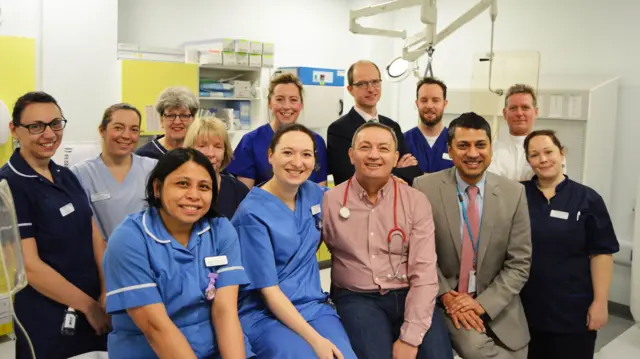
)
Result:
{"points": [[485, 319]]}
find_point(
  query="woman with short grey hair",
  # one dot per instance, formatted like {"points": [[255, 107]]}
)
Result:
{"points": [[177, 107]]}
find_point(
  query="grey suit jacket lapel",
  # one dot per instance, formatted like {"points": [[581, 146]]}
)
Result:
{"points": [[490, 206], [449, 198]]}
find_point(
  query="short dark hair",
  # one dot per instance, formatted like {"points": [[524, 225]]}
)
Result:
{"points": [[168, 163], [108, 113], [352, 68], [291, 127], [376, 125], [30, 98], [432, 81], [549, 133], [468, 120]]}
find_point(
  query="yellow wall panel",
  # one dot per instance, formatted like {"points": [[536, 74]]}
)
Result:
{"points": [[143, 81], [17, 76]]}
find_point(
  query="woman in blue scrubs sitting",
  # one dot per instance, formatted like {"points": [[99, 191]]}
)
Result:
{"points": [[283, 311], [565, 299], [209, 136], [173, 270], [250, 163], [61, 244], [115, 180]]}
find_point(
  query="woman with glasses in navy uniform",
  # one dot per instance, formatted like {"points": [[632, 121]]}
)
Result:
{"points": [[61, 244], [177, 107]]}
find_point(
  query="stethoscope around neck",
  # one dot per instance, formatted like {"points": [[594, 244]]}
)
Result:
{"points": [[345, 213]]}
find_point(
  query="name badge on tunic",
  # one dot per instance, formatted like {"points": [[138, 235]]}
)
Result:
{"points": [[95, 197], [559, 214], [67, 210], [445, 156], [315, 209], [215, 261]]}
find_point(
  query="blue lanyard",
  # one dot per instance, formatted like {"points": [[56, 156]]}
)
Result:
{"points": [[475, 245]]}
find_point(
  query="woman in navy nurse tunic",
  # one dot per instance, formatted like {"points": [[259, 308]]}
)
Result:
{"points": [[565, 299], [61, 244]]}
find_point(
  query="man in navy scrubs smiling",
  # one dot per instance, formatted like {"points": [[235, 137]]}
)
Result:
{"points": [[565, 299]]}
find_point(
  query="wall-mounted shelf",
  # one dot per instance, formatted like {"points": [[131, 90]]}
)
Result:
{"points": [[231, 68]]}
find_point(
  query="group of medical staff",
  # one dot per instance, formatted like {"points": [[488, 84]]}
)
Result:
{"points": [[186, 248]]}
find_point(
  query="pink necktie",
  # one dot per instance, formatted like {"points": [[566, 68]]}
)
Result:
{"points": [[466, 264]]}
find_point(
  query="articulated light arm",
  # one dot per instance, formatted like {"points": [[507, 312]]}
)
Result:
{"points": [[372, 10], [428, 15], [426, 41]]}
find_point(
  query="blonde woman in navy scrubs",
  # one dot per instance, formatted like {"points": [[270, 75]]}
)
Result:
{"points": [[565, 299], [209, 136], [61, 244], [115, 179]]}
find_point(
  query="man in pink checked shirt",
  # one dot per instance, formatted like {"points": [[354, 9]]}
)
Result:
{"points": [[383, 260]]}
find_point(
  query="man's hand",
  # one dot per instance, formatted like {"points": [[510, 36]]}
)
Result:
{"points": [[402, 350], [469, 320], [407, 161], [463, 303]]}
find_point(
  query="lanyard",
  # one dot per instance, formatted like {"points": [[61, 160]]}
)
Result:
{"points": [[475, 245]]}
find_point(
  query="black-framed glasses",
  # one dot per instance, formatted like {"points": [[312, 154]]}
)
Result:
{"points": [[365, 84], [39, 127], [172, 117]]}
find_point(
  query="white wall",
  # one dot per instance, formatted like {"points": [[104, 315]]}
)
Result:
{"points": [[574, 37], [75, 57], [312, 33], [80, 66]]}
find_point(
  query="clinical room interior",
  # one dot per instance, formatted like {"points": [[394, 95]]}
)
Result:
{"points": [[579, 55]]}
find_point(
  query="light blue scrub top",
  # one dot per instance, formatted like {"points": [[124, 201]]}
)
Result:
{"points": [[112, 201], [144, 264], [279, 248]]}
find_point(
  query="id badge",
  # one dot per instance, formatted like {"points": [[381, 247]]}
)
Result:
{"points": [[472, 281]]}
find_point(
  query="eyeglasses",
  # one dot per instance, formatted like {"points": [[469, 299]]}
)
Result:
{"points": [[365, 84], [172, 117], [37, 128]]}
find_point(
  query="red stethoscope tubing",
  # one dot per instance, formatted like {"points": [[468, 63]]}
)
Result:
{"points": [[395, 211]]}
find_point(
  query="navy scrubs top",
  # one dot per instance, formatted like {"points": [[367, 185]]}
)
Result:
{"points": [[58, 216], [430, 159], [565, 231], [251, 160], [152, 149], [232, 192]]}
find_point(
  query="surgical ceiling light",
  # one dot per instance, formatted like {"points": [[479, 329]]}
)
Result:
{"points": [[423, 42]]}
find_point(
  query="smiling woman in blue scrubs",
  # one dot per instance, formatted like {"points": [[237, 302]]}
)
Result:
{"points": [[566, 297], [209, 136], [250, 163], [173, 270], [115, 180], [61, 244], [284, 312]]}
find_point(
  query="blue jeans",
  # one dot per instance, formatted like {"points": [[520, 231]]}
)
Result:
{"points": [[373, 321]]}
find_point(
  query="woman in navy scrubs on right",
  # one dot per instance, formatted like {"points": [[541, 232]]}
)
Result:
{"points": [[565, 299]]}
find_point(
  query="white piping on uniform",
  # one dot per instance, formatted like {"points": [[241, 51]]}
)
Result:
{"points": [[146, 229], [19, 173], [133, 287], [204, 230], [230, 269], [158, 147]]}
